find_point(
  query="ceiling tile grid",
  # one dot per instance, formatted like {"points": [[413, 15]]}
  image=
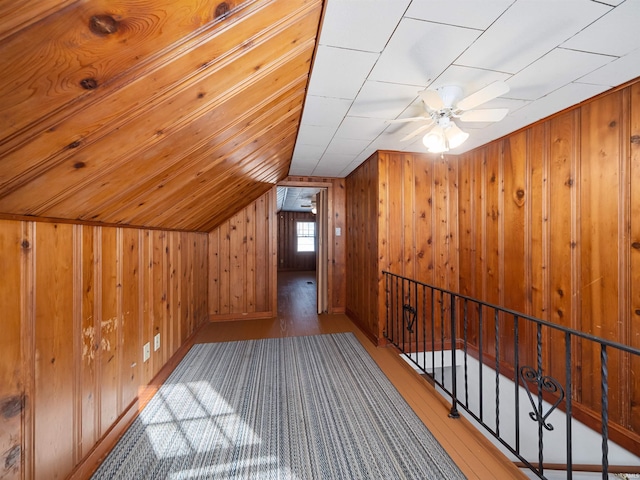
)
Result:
{"points": [[375, 56]]}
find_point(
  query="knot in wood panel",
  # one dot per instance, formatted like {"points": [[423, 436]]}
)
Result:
{"points": [[222, 10], [89, 83], [103, 25]]}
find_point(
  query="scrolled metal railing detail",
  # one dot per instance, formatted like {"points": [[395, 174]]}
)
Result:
{"points": [[547, 384], [423, 316], [410, 314]]}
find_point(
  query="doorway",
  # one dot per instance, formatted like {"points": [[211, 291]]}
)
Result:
{"points": [[302, 246]]}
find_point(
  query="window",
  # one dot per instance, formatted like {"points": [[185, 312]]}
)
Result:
{"points": [[306, 233]]}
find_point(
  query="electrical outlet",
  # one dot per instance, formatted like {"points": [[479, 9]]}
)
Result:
{"points": [[146, 352], [156, 342]]}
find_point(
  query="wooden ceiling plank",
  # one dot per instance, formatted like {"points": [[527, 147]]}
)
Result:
{"points": [[182, 174], [127, 144], [64, 53], [218, 184], [20, 15], [114, 112], [228, 201]]}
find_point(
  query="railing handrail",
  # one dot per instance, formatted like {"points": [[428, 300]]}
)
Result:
{"points": [[546, 323], [412, 318]]}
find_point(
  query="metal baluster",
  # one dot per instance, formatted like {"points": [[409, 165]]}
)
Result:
{"points": [[386, 290], [454, 377], [433, 334], [424, 328], [539, 417], [605, 411], [415, 320], [480, 350], [517, 379], [496, 330], [466, 373], [402, 303], [442, 337], [567, 363], [397, 333]]}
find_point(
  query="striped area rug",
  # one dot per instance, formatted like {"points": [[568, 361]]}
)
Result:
{"points": [[314, 407]]}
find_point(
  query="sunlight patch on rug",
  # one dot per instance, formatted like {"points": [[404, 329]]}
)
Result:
{"points": [[315, 407]]}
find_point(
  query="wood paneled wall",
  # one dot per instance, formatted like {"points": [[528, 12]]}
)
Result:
{"points": [[545, 221], [288, 256], [243, 256], [242, 263], [78, 303], [402, 217], [551, 216]]}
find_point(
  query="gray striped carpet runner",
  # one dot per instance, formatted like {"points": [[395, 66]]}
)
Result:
{"points": [[315, 407]]}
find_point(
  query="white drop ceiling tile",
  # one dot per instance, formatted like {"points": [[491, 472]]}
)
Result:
{"points": [[617, 72], [315, 135], [307, 154], [324, 111], [346, 146], [338, 72], [361, 128], [528, 30], [614, 34], [300, 171], [364, 25], [412, 57], [383, 100], [556, 101], [554, 70], [464, 13], [470, 79]]}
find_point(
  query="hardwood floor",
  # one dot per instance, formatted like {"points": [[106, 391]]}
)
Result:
{"points": [[476, 456]]}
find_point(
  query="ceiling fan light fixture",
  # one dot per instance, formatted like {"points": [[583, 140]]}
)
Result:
{"points": [[455, 136], [434, 140]]}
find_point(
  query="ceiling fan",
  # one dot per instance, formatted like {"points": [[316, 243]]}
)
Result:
{"points": [[445, 104]]}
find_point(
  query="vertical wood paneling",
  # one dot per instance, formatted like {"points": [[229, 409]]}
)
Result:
{"points": [[158, 283], [600, 150], [559, 201], [424, 228], [12, 384], [633, 326], [408, 202], [131, 351], [76, 312], [146, 312], [90, 340], [55, 395], [561, 182], [367, 201], [242, 255], [262, 277], [110, 326]]}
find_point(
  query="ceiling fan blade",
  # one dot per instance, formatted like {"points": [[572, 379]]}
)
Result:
{"points": [[409, 119], [417, 131], [485, 115], [432, 99], [483, 95]]}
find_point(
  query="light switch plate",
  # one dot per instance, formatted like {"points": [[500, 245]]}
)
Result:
{"points": [[156, 342], [146, 352]]}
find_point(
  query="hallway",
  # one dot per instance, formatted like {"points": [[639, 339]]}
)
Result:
{"points": [[475, 456]]}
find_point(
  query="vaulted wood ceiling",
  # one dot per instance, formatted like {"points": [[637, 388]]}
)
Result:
{"points": [[150, 113]]}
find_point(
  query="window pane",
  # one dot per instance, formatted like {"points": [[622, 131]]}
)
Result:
{"points": [[306, 236]]}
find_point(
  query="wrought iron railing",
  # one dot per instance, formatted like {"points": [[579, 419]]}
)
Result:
{"points": [[536, 365]]}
